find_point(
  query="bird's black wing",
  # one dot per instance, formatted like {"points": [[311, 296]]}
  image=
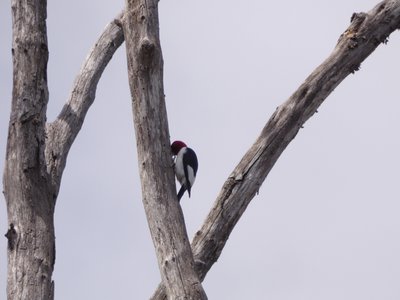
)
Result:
{"points": [[189, 159]]}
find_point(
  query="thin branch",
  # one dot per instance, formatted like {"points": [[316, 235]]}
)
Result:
{"points": [[362, 37], [62, 132]]}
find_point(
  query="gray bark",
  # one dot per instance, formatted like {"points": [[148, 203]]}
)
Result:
{"points": [[36, 152], [28, 191], [62, 132], [366, 32], [164, 215], [34, 163]]}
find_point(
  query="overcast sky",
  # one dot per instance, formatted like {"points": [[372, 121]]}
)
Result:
{"points": [[325, 224]]}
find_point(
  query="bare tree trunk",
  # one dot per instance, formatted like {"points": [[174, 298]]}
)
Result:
{"points": [[362, 37], [164, 215], [36, 153], [27, 188]]}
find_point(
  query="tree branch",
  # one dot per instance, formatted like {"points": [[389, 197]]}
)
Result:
{"points": [[164, 215], [362, 37], [62, 132]]}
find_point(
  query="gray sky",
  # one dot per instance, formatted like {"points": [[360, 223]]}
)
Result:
{"points": [[325, 224]]}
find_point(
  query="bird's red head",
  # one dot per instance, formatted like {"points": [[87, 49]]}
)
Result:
{"points": [[176, 146]]}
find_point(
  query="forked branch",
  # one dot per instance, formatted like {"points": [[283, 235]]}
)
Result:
{"points": [[365, 33]]}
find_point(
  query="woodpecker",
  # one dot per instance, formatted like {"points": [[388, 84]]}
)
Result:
{"points": [[185, 166]]}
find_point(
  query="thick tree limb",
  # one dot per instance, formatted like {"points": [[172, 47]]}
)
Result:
{"points": [[62, 132], [28, 194], [36, 155], [164, 215], [364, 34]]}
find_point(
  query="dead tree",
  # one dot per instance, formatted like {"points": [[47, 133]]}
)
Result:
{"points": [[37, 151], [366, 32], [164, 215]]}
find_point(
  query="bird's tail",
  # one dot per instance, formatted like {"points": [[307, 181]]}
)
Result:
{"points": [[181, 192]]}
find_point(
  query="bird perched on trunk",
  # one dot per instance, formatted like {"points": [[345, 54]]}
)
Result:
{"points": [[185, 166]]}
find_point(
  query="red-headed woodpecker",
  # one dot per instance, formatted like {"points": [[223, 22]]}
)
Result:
{"points": [[185, 166]]}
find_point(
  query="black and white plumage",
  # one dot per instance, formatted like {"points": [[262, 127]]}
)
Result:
{"points": [[186, 166]]}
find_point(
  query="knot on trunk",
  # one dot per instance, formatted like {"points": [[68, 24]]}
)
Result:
{"points": [[147, 54], [11, 236]]}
